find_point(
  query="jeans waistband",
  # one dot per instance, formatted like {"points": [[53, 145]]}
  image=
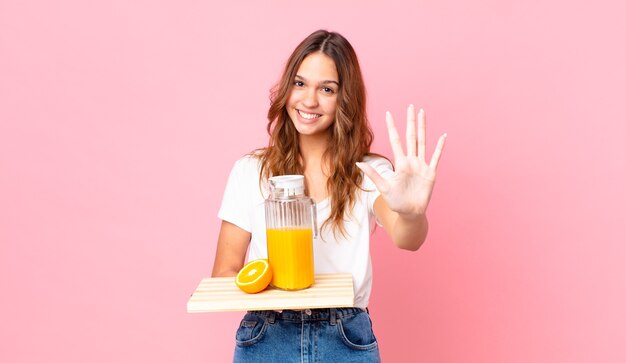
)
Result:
{"points": [[331, 314]]}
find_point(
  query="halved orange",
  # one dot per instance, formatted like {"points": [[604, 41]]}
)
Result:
{"points": [[254, 276]]}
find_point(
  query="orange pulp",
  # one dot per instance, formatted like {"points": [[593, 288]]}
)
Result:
{"points": [[254, 276]]}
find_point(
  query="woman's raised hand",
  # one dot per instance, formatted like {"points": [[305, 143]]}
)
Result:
{"points": [[408, 190]]}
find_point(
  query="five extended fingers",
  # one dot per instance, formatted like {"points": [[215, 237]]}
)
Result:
{"points": [[416, 147], [413, 139]]}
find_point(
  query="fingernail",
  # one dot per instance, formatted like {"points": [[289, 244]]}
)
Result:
{"points": [[411, 106], [421, 111]]}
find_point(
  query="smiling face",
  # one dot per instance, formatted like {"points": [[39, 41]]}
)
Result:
{"points": [[313, 99]]}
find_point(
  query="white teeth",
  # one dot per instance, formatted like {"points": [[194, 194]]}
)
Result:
{"points": [[308, 116]]}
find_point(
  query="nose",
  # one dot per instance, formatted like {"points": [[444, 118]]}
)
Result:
{"points": [[310, 98]]}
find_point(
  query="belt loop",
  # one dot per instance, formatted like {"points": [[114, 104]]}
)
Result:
{"points": [[271, 317], [333, 316]]}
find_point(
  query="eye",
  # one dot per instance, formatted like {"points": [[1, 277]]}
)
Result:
{"points": [[328, 90], [298, 84]]}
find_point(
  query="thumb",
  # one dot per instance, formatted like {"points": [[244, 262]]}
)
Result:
{"points": [[381, 184]]}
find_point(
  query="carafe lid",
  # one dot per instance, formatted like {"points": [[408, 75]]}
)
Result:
{"points": [[287, 185]]}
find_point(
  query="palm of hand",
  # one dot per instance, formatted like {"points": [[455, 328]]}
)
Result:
{"points": [[410, 187]]}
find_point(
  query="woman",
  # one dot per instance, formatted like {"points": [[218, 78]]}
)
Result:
{"points": [[318, 128]]}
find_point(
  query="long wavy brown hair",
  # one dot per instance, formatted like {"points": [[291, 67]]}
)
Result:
{"points": [[350, 135]]}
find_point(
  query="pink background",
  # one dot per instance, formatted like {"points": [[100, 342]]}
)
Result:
{"points": [[120, 120]]}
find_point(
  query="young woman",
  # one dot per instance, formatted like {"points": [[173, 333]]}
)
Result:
{"points": [[318, 128]]}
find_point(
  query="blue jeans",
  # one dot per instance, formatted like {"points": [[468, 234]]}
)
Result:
{"points": [[317, 335]]}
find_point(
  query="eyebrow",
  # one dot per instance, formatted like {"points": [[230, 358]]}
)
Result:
{"points": [[323, 82]]}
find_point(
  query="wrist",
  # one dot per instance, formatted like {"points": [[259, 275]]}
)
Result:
{"points": [[412, 217]]}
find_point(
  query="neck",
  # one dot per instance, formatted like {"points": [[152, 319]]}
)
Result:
{"points": [[312, 147], [316, 172]]}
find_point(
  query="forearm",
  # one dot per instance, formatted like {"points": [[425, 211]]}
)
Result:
{"points": [[406, 231], [409, 232]]}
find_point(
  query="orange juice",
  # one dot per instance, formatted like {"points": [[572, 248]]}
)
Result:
{"points": [[290, 254]]}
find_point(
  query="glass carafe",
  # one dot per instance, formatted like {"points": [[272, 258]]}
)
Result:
{"points": [[291, 224]]}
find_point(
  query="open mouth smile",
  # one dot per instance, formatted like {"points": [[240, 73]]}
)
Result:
{"points": [[308, 116]]}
